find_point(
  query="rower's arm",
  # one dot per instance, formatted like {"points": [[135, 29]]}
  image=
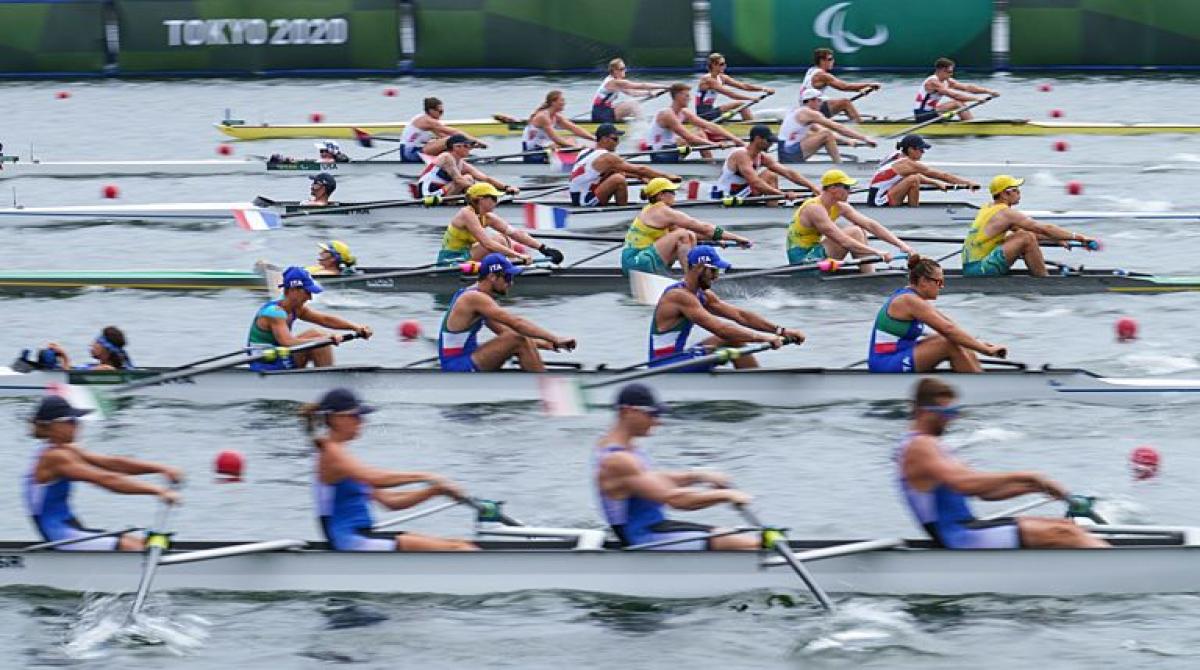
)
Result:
{"points": [[131, 466], [765, 329], [712, 129], [795, 177], [873, 227], [831, 230], [843, 129], [972, 88], [397, 500], [633, 480], [443, 130], [1021, 220], [955, 91], [575, 128], [493, 313], [629, 86], [311, 315], [645, 172], [681, 131], [487, 241], [923, 311], [81, 470], [911, 166], [280, 331], [728, 91], [479, 175], [504, 228], [925, 463], [841, 85]]}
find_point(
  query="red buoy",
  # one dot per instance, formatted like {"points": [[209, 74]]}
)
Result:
{"points": [[224, 149], [62, 95], [316, 117], [1074, 187], [1045, 88], [409, 330], [230, 464], [1061, 145], [1127, 329], [110, 191], [390, 92], [1056, 113], [1144, 462]]}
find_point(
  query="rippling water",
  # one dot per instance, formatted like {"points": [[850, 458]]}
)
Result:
{"points": [[823, 471]]}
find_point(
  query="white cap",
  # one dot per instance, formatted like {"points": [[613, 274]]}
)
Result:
{"points": [[329, 145], [809, 94]]}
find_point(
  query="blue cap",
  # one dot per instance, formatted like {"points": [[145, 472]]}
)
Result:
{"points": [[706, 255], [640, 396], [296, 277], [344, 401], [496, 262], [56, 408]]}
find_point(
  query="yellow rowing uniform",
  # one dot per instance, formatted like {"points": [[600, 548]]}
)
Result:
{"points": [[983, 255], [457, 243], [639, 252], [639, 236], [804, 242]]}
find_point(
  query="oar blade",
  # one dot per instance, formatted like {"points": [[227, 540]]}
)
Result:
{"points": [[647, 288], [562, 396]]}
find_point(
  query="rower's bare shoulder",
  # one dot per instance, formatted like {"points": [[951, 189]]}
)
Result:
{"points": [[619, 462]]}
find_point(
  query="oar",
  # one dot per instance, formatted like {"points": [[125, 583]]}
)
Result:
{"points": [[598, 254], [587, 116], [726, 116], [718, 357], [404, 272], [933, 239], [682, 149], [487, 511], [375, 204], [83, 538], [157, 541], [773, 538], [486, 160], [212, 359], [940, 117], [864, 93]]}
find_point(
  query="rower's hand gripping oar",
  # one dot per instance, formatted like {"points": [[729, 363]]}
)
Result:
{"points": [[729, 115], [942, 116], [774, 539]]}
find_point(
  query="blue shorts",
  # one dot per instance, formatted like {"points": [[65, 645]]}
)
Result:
{"points": [[992, 265], [539, 158], [459, 363], [673, 530], [685, 355], [994, 534], [668, 153], [806, 255], [588, 199], [602, 114], [921, 116], [286, 363], [410, 153], [448, 257], [643, 260], [791, 153], [900, 360], [708, 112]]}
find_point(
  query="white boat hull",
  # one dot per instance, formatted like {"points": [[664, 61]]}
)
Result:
{"points": [[129, 168]]}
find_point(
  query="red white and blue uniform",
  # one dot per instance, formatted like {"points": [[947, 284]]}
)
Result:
{"points": [[927, 101], [883, 180], [456, 346], [636, 520]]}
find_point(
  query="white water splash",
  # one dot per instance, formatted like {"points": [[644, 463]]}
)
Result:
{"points": [[102, 622], [1135, 204], [1159, 364], [987, 435], [1054, 313], [861, 626]]}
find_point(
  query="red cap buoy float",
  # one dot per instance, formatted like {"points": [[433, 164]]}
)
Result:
{"points": [[316, 117], [1127, 329], [229, 464], [389, 92], [62, 95], [224, 149], [1045, 88], [110, 191], [409, 330], [1061, 145], [1144, 462], [1056, 113], [1074, 187]]}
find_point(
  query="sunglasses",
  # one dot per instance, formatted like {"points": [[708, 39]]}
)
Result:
{"points": [[944, 411], [940, 281], [653, 412]]}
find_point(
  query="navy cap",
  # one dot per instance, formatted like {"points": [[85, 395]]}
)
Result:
{"points": [[606, 129], [325, 179], [497, 262], [706, 255], [457, 138], [56, 408], [913, 142], [343, 401], [763, 132], [297, 277], [640, 396]]}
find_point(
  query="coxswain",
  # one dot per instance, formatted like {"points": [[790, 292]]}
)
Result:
{"points": [[599, 174], [1001, 235], [937, 487], [814, 234], [896, 342], [322, 188], [426, 134], [60, 462], [345, 486], [108, 350], [661, 236], [819, 77], [634, 495], [899, 178], [473, 307], [941, 92], [330, 152], [451, 173], [467, 238], [272, 325], [752, 170], [667, 130], [334, 259], [716, 82], [805, 131], [541, 133], [691, 302], [607, 106]]}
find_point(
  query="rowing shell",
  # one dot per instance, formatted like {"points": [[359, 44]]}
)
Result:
{"points": [[12, 167], [790, 388], [494, 127], [1145, 560], [593, 218]]}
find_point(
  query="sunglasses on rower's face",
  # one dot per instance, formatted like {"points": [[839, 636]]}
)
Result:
{"points": [[945, 411], [940, 281]]}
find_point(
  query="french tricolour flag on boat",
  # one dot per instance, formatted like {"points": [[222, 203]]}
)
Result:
{"points": [[545, 217], [257, 219]]}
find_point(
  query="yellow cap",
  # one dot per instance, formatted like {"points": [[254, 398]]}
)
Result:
{"points": [[1002, 182], [658, 185], [834, 177], [340, 251], [483, 189]]}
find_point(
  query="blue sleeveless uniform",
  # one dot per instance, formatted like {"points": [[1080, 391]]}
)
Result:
{"points": [[49, 506], [455, 347], [946, 516], [893, 340], [344, 510], [639, 521], [670, 346], [263, 339]]}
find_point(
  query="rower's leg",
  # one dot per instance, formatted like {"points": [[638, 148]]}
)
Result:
{"points": [[844, 106], [417, 542], [934, 349], [492, 354], [772, 180], [435, 147], [906, 190], [674, 247], [838, 252], [318, 358], [741, 362], [818, 138], [613, 187], [744, 542], [954, 104], [1046, 533], [130, 542], [1024, 244], [627, 110]]}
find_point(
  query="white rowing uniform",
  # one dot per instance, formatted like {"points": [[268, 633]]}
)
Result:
{"points": [[730, 182], [792, 130], [413, 139], [927, 101], [661, 137], [604, 103], [434, 178], [808, 83], [885, 177], [535, 138], [585, 177]]}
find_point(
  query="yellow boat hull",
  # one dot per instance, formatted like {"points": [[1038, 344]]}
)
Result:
{"points": [[495, 128]]}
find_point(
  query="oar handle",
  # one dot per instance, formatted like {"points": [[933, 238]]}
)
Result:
{"points": [[490, 511], [721, 355]]}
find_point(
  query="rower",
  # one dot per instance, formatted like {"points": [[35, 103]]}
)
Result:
{"points": [[466, 237], [541, 131], [941, 92], [715, 82], [691, 302], [599, 174], [896, 342], [805, 130], [660, 236], [899, 177], [633, 494], [61, 462], [606, 104], [335, 259], [937, 486], [752, 170], [473, 307], [330, 152], [819, 78], [108, 350], [1001, 235], [344, 486], [814, 234], [667, 129], [451, 173], [272, 325], [322, 187], [426, 134]]}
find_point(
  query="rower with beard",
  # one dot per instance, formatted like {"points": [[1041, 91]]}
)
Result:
{"points": [[474, 307], [937, 486], [751, 170], [691, 302], [667, 130], [600, 174]]}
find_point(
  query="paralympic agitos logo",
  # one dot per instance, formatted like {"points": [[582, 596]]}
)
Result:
{"points": [[830, 24]]}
